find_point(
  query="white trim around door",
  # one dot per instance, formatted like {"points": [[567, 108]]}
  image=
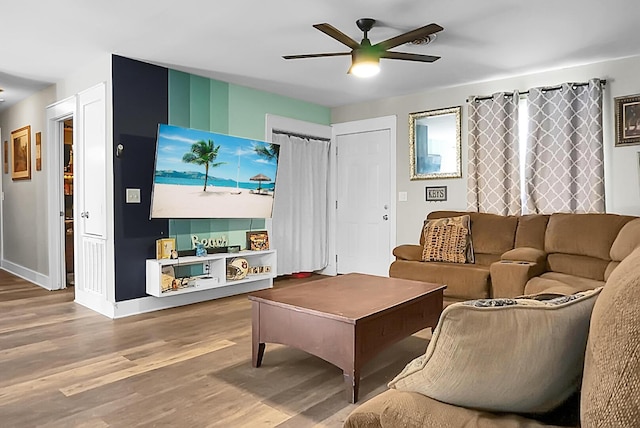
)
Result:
{"points": [[56, 113]]}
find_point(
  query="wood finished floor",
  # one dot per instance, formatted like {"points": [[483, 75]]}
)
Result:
{"points": [[62, 365]]}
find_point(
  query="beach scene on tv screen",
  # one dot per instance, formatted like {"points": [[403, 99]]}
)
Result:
{"points": [[202, 174]]}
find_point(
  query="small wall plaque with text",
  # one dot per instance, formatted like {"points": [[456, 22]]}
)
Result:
{"points": [[436, 193]]}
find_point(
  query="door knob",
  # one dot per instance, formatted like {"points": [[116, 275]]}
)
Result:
{"points": [[385, 217]]}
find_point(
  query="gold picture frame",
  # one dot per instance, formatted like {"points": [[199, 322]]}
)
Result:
{"points": [[257, 240], [38, 151], [21, 153], [435, 144], [627, 118]]}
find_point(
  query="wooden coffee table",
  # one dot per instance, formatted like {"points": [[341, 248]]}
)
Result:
{"points": [[345, 320]]}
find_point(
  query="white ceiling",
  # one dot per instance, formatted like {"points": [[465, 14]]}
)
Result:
{"points": [[243, 41]]}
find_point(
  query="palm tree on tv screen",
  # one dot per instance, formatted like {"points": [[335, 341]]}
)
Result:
{"points": [[269, 152], [203, 153]]}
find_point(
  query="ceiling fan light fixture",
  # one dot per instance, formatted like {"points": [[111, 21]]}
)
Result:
{"points": [[364, 64]]}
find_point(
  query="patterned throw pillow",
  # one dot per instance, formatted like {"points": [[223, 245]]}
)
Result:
{"points": [[448, 240]]}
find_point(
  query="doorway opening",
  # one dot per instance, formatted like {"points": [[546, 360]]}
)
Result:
{"points": [[67, 171]]}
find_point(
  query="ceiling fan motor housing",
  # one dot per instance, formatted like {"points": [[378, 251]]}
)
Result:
{"points": [[365, 24]]}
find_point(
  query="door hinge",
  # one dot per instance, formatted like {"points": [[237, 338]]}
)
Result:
{"points": [[336, 204]]}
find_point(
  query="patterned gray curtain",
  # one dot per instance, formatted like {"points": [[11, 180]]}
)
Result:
{"points": [[494, 155], [564, 168]]}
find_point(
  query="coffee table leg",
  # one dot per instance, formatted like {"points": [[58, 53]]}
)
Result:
{"points": [[352, 384], [257, 352], [257, 348]]}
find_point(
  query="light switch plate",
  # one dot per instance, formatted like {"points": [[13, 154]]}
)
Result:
{"points": [[402, 196], [133, 196]]}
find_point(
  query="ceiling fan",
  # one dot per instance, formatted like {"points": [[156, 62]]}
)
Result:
{"points": [[365, 57]]}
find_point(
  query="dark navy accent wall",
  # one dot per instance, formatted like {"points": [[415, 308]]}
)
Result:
{"points": [[140, 103]]}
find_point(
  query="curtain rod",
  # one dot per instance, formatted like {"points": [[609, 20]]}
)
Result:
{"points": [[303, 136], [551, 88]]}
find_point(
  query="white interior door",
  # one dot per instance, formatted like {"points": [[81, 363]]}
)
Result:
{"points": [[90, 197], [365, 213]]}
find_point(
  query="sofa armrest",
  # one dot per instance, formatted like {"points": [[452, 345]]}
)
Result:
{"points": [[525, 254], [409, 252], [508, 277]]}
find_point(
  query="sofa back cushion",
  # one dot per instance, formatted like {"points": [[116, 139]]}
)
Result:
{"points": [[628, 239], [531, 231], [611, 379], [579, 244], [490, 233], [583, 234]]}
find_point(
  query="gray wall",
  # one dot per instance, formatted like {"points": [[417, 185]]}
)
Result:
{"points": [[25, 228], [621, 163]]}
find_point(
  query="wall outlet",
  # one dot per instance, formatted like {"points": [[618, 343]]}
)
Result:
{"points": [[402, 196], [133, 196]]}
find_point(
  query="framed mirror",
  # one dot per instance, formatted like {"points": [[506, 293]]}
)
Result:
{"points": [[435, 138]]}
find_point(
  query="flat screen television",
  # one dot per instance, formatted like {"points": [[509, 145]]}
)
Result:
{"points": [[202, 174]]}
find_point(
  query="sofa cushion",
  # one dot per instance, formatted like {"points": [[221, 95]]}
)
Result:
{"points": [[448, 240], [506, 355], [611, 384], [571, 264], [393, 409], [463, 281], [531, 231], [561, 283], [583, 234], [628, 239]]}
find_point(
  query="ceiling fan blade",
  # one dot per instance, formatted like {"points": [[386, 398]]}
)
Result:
{"points": [[315, 55], [409, 56], [333, 32], [410, 36]]}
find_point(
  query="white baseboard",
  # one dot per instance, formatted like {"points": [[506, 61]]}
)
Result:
{"points": [[149, 304], [28, 274]]}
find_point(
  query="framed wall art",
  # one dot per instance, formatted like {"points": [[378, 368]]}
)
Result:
{"points": [[257, 240], [435, 144], [21, 153], [627, 110], [38, 151]]}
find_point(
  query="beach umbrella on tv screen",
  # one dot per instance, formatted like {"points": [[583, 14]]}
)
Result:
{"points": [[260, 178]]}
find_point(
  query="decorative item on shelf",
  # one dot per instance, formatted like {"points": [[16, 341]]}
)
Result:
{"points": [[259, 270], [257, 240], [164, 247], [237, 268], [200, 250], [167, 278], [174, 254], [21, 153], [627, 120], [179, 283], [233, 249]]}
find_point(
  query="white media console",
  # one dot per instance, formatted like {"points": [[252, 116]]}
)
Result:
{"points": [[213, 268]]}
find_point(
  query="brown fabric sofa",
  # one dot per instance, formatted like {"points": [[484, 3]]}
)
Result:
{"points": [[610, 384], [516, 255]]}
